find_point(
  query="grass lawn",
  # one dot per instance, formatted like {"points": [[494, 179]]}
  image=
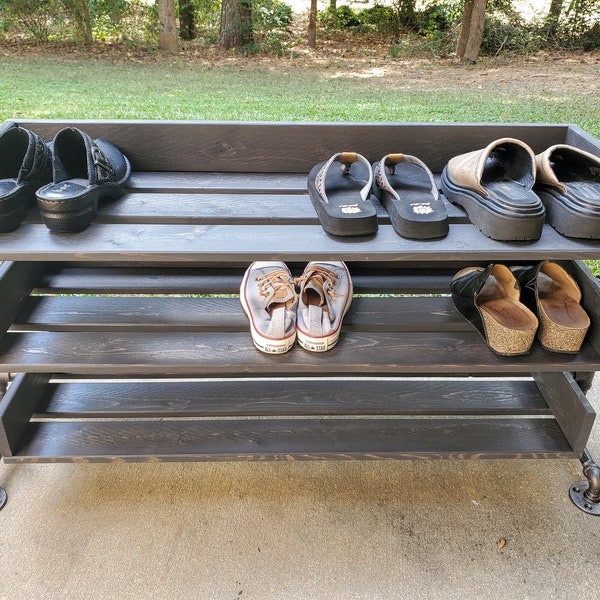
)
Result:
{"points": [[288, 90]]}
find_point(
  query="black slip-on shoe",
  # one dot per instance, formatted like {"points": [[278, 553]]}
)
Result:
{"points": [[494, 186], [84, 171], [25, 165]]}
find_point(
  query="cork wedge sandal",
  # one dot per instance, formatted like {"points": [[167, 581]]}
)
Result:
{"points": [[489, 299], [548, 290]]}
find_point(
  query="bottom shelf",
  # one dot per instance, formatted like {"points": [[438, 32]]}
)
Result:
{"points": [[46, 420]]}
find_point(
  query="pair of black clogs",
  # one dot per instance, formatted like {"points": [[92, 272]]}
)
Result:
{"points": [[508, 306], [67, 176]]}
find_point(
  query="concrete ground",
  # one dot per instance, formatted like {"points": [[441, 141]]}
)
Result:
{"points": [[285, 531]]}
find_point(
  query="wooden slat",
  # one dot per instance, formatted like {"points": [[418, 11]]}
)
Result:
{"points": [[232, 354], [386, 278], [292, 439], [123, 399], [292, 147], [229, 243], [571, 408], [76, 313], [16, 282], [17, 406]]}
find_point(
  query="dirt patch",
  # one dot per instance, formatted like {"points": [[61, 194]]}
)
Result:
{"points": [[544, 72]]}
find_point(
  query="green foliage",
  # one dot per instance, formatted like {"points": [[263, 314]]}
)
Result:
{"points": [[37, 18]]}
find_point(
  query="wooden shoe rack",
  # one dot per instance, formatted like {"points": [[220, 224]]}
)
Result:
{"points": [[127, 342]]}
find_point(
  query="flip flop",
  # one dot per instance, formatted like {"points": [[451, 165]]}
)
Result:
{"points": [[340, 190], [494, 186], [406, 188], [568, 182]]}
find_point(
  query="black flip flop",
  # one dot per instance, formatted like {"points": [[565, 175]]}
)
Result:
{"points": [[494, 186], [406, 188], [568, 182], [340, 190]]}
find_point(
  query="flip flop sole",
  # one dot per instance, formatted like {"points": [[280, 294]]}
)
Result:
{"points": [[493, 221], [346, 213]]}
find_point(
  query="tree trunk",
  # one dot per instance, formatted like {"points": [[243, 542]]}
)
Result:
{"points": [[473, 31], [464, 28], [167, 19], [187, 20], [312, 24], [553, 16], [80, 10], [236, 24]]}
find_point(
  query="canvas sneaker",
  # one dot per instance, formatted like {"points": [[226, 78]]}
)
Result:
{"points": [[269, 299], [325, 297]]}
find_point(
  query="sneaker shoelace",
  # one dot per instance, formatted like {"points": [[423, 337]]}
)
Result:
{"points": [[274, 286], [319, 276]]}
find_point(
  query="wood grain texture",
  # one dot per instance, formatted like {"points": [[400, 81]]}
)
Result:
{"points": [[292, 147], [571, 408], [89, 313], [292, 439], [16, 407], [228, 244], [232, 354], [308, 397]]}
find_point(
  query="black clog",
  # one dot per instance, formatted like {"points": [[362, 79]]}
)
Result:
{"points": [[25, 165], [84, 171]]}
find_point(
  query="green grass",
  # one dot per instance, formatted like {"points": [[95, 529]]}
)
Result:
{"points": [[98, 89]]}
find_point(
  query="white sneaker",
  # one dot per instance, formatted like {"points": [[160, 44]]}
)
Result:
{"points": [[325, 297], [269, 299]]}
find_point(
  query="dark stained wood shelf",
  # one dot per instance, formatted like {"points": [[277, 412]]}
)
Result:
{"points": [[127, 341]]}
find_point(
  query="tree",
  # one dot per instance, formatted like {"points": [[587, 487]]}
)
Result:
{"points": [[471, 31], [80, 10], [236, 24], [167, 19], [312, 24], [187, 20]]}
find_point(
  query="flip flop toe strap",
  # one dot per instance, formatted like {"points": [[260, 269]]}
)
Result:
{"points": [[390, 161], [346, 160]]}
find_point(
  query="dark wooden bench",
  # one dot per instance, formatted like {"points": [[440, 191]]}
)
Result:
{"points": [[127, 342]]}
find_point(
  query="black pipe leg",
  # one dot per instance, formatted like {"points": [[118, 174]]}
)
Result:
{"points": [[3, 497], [586, 494]]}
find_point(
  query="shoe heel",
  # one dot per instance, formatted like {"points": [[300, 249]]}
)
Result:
{"points": [[507, 341], [559, 338]]}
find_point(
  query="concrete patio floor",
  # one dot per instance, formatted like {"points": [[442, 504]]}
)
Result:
{"points": [[286, 531]]}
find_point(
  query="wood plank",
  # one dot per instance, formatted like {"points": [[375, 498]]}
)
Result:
{"points": [[569, 405], [292, 147], [100, 313], [85, 399], [16, 282], [590, 289], [232, 354], [292, 439], [302, 243], [366, 278], [16, 407]]}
